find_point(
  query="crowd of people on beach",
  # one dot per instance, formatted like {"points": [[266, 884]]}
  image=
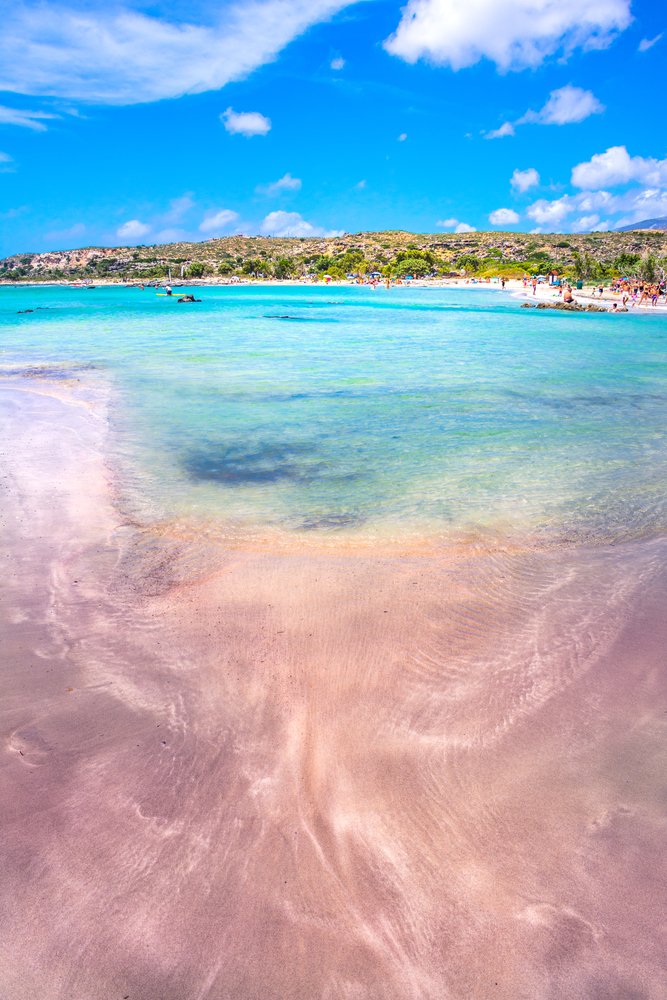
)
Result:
{"points": [[635, 292], [632, 292]]}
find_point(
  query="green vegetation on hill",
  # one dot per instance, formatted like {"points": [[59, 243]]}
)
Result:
{"points": [[592, 256]]}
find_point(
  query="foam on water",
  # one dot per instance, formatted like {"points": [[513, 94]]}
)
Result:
{"points": [[347, 410]]}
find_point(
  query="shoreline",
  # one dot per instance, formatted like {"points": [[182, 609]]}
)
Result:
{"points": [[385, 777], [514, 288]]}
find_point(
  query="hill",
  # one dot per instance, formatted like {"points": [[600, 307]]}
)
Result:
{"points": [[660, 224], [586, 255]]}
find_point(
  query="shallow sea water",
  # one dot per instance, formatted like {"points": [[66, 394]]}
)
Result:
{"points": [[324, 765], [440, 412]]}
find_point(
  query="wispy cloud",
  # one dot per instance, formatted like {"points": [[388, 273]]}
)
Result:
{"points": [[63, 236], [284, 184], [218, 221], [337, 64], [25, 119], [505, 130], [122, 55], [648, 43], [171, 235], [14, 213], [565, 106], [178, 208]]}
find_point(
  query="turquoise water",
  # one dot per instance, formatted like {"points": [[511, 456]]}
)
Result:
{"points": [[344, 409]]}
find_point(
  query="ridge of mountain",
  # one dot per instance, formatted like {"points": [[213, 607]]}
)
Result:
{"points": [[281, 256], [649, 224]]}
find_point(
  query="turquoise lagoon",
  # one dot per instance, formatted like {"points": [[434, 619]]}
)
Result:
{"points": [[348, 411]]}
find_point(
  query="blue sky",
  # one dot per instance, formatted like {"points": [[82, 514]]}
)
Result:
{"points": [[131, 123]]}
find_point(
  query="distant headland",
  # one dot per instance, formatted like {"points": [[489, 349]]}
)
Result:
{"points": [[389, 254]]}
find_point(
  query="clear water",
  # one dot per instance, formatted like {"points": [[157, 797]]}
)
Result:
{"points": [[348, 410]]}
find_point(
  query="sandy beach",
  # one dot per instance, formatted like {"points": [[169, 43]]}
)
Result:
{"points": [[318, 775]]}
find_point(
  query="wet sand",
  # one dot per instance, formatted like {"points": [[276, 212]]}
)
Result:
{"points": [[322, 775]]}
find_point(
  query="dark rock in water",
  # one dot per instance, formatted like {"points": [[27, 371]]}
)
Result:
{"points": [[267, 462], [65, 372], [527, 305], [571, 307], [22, 312], [328, 522]]}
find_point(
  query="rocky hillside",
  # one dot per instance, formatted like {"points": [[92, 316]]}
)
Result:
{"points": [[386, 252]]}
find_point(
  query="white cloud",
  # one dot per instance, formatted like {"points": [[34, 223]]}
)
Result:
{"points": [[215, 222], [616, 166], [171, 235], [565, 106], [337, 63], [285, 183], [292, 224], [503, 217], [25, 119], [636, 205], [514, 34], [523, 180], [506, 129], [631, 206], [360, 185], [456, 226], [549, 213], [6, 162], [122, 55], [648, 43], [178, 207], [247, 123], [5, 158], [132, 230], [593, 201], [403, 136], [589, 224]]}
